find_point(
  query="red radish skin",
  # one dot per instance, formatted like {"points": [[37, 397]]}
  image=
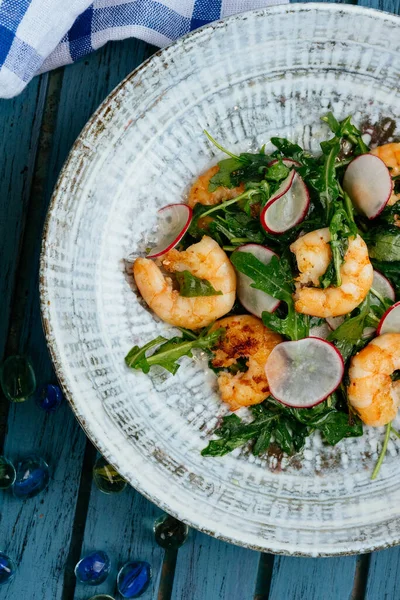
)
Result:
{"points": [[368, 182], [182, 226], [283, 188], [301, 384], [288, 162], [392, 313], [304, 203], [321, 331], [255, 301], [382, 285]]}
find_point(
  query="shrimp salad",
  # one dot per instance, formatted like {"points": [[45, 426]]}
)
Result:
{"points": [[284, 269]]}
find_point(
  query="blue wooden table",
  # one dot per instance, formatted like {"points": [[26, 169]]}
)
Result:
{"points": [[48, 534]]}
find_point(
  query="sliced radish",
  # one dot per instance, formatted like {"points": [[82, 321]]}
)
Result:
{"points": [[383, 287], [320, 331], [335, 322], [390, 322], [368, 183], [288, 162], [284, 187], [255, 301], [287, 210], [368, 332], [303, 373], [174, 221]]}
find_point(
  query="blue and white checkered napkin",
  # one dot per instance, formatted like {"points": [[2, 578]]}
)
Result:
{"points": [[39, 35]]}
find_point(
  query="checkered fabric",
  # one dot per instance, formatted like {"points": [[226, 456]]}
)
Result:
{"points": [[39, 35]]}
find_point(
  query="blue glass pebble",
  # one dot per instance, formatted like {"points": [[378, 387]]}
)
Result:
{"points": [[134, 578], [93, 569], [7, 473], [17, 378], [7, 568], [32, 477], [49, 397]]}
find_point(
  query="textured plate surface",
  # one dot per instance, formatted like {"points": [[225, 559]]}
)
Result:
{"points": [[264, 73]]}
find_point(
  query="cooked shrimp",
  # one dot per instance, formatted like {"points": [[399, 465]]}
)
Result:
{"points": [[199, 190], [313, 254], [390, 154], [205, 260], [245, 337], [371, 391]]}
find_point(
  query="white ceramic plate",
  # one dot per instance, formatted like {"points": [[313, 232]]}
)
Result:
{"points": [[263, 73]]}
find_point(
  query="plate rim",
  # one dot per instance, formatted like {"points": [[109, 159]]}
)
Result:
{"points": [[53, 345]]}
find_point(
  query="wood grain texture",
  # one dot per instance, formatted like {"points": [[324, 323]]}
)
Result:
{"points": [[208, 569], [312, 579], [383, 577], [38, 531], [20, 120], [122, 525]]}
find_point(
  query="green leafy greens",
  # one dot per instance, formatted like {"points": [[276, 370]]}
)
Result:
{"points": [[275, 279], [169, 351], [287, 427], [191, 286]]}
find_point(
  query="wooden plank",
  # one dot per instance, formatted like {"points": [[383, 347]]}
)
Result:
{"points": [[383, 577], [20, 120], [38, 532], [208, 569], [312, 578], [122, 525]]}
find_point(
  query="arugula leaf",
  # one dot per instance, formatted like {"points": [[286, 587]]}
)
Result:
{"points": [[340, 228], [345, 129], [289, 150], [328, 184], [223, 177], [275, 279], [170, 351], [385, 247], [338, 425], [238, 228], [191, 286], [288, 426], [348, 336], [234, 433]]}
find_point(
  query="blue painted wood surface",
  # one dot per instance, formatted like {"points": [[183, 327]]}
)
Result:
{"points": [[47, 535]]}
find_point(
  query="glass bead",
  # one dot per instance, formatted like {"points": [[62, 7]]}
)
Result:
{"points": [[32, 477], [49, 397], [7, 568], [93, 569], [7, 473], [134, 579], [101, 597], [169, 532], [107, 479], [17, 378]]}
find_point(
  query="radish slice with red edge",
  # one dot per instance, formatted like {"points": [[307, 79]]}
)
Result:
{"points": [[368, 182], [320, 331], [286, 183], [174, 221], [255, 301], [287, 210], [390, 322], [288, 162], [383, 287], [284, 187], [303, 373], [335, 322]]}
